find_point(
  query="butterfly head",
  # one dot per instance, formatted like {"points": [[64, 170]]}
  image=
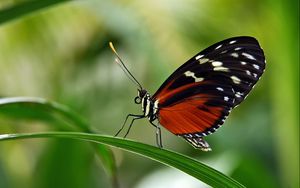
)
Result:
{"points": [[142, 93]]}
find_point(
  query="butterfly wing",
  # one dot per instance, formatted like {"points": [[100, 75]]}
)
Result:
{"points": [[196, 99]]}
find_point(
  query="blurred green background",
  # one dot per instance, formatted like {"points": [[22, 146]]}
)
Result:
{"points": [[61, 53]]}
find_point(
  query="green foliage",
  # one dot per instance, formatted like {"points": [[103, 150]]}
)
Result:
{"points": [[27, 7]]}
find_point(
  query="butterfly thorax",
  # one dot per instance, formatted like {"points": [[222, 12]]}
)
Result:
{"points": [[149, 107]]}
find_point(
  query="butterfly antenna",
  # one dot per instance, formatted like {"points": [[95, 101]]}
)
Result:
{"points": [[123, 67]]}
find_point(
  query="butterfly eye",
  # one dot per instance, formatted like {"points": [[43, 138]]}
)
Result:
{"points": [[137, 100]]}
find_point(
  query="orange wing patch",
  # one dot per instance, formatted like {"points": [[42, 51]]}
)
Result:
{"points": [[190, 116]]}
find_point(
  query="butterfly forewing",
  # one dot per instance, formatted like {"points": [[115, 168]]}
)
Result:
{"points": [[232, 61], [195, 100]]}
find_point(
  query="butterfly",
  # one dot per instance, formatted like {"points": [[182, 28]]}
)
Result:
{"points": [[195, 99]]}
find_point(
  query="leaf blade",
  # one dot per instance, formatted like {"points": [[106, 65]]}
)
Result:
{"points": [[53, 110], [26, 8], [186, 164]]}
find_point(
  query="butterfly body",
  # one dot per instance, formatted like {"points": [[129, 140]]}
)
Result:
{"points": [[149, 107], [197, 97]]}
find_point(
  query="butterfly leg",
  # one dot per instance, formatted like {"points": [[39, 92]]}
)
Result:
{"points": [[129, 115], [130, 125], [158, 135]]}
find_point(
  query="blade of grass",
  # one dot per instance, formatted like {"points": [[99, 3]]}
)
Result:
{"points": [[186, 164], [27, 7], [14, 105]]}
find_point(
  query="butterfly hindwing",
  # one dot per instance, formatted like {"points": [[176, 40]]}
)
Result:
{"points": [[200, 113]]}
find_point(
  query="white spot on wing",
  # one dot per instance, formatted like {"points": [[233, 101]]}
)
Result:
{"points": [[226, 98], [223, 69], [238, 48], [243, 63], [232, 42], [239, 94], [218, 47], [256, 66], [220, 89], [198, 57], [235, 79], [199, 79], [204, 60], [217, 63], [191, 74], [235, 55], [248, 72], [248, 56]]}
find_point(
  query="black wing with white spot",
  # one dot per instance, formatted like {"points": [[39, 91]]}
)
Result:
{"points": [[237, 62], [196, 99]]}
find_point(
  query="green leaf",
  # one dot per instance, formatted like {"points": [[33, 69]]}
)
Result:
{"points": [[42, 109], [188, 165], [26, 8]]}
